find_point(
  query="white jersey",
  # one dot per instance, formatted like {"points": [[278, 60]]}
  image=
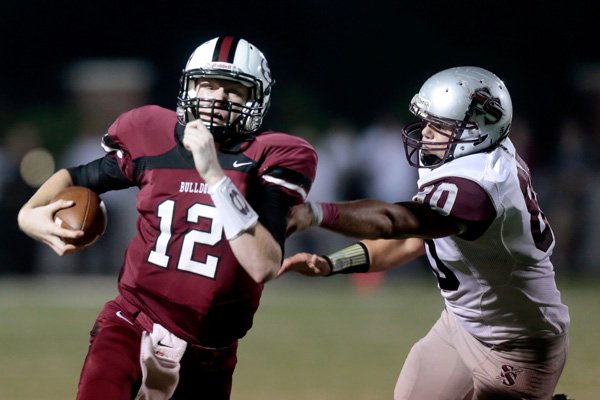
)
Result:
{"points": [[497, 277]]}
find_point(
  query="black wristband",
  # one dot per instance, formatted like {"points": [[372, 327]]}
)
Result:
{"points": [[349, 260]]}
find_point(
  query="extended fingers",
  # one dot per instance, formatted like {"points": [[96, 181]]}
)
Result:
{"points": [[66, 233], [59, 246], [299, 218], [301, 262], [60, 204]]}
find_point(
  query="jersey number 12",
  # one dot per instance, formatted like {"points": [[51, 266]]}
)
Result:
{"points": [[159, 256]]}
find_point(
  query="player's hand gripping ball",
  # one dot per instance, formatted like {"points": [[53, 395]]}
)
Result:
{"points": [[88, 213]]}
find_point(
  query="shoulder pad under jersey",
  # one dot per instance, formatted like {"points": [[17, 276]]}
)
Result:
{"points": [[144, 131]]}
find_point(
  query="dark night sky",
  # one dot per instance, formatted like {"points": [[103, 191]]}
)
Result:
{"points": [[353, 57]]}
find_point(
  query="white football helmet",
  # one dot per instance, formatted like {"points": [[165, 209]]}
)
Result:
{"points": [[470, 101], [234, 59]]}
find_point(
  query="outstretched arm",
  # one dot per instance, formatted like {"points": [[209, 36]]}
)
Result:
{"points": [[374, 219], [386, 254], [368, 256]]}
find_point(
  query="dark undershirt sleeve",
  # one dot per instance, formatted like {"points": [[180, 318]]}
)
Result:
{"points": [[101, 175], [273, 205]]}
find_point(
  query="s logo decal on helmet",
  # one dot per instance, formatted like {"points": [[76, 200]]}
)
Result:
{"points": [[484, 104], [470, 102], [232, 59]]}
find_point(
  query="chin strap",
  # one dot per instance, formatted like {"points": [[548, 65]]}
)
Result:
{"points": [[430, 161]]}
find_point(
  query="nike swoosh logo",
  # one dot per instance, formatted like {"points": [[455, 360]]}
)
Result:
{"points": [[237, 164], [160, 343], [120, 315]]}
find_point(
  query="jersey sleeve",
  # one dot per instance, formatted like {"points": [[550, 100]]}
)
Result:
{"points": [[116, 143], [137, 133], [462, 199], [290, 163], [285, 175]]}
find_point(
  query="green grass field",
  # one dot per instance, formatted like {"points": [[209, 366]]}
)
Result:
{"points": [[313, 338]]}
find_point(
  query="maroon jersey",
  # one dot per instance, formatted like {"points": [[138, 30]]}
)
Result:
{"points": [[179, 268]]}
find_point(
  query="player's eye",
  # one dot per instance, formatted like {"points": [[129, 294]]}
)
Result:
{"points": [[205, 84], [439, 128]]}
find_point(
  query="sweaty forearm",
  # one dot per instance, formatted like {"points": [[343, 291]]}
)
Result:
{"points": [[258, 253], [374, 255], [371, 219], [387, 254], [57, 182]]}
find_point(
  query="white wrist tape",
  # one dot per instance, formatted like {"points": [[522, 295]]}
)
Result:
{"points": [[317, 213], [237, 215]]}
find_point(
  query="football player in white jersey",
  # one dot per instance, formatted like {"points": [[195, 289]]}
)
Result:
{"points": [[503, 331]]}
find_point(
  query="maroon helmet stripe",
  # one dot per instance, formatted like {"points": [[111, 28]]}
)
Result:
{"points": [[225, 49]]}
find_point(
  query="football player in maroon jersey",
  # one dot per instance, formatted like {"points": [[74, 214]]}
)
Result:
{"points": [[503, 332], [214, 194]]}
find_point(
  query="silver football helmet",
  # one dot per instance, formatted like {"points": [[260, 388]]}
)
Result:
{"points": [[471, 102], [233, 59]]}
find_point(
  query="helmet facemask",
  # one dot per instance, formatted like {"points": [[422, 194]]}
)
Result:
{"points": [[468, 105], [231, 59], [420, 152], [191, 107], [241, 118]]}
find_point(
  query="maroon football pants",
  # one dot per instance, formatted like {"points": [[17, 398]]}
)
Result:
{"points": [[112, 366]]}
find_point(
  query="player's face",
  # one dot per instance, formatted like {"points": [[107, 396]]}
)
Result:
{"points": [[435, 137], [222, 91]]}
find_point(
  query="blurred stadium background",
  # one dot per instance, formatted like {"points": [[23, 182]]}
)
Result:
{"points": [[345, 73]]}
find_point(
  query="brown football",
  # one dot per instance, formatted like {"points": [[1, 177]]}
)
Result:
{"points": [[88, 214]]}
